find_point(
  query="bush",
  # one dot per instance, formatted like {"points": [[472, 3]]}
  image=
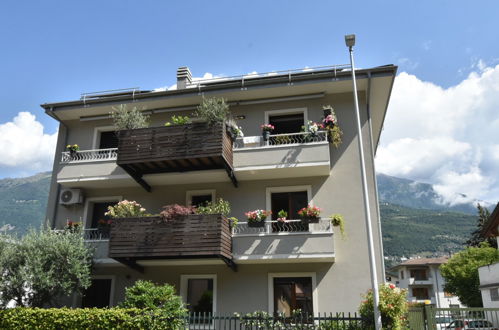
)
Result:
{"points": [[126, 209], [220, 206], [178, 120], [124, 119], [392, 306], [173, 211], [213, 110], [88, 318]]}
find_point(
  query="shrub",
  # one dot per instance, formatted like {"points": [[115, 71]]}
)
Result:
{"points": [[126, 209], [213, 110], [88, 318], [178, 120], [173, 211], [337, 220], [330, 124], [124, 119], [392, 306], [220, 206], [148, 295]]}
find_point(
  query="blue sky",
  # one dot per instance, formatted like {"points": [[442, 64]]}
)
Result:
{"points": [[55, 50]]}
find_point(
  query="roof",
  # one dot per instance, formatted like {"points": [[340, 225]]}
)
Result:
{"points": [[490, 227], [423, 262]]}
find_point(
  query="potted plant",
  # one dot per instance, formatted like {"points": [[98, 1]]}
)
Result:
{"points": [[310, 214], [337, 220], [257, 218], [104, 226], [266, 130], [330, 124], [72, 149]]}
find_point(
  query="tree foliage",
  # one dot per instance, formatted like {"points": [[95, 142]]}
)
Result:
{"points": [[461, 273], [392, 307], [213, 110], [42, 266], [124, 119], [477, 236]]}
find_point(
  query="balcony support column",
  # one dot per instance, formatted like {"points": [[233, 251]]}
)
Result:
{"points": [[137, 177], [232, 176], [230, 263]]}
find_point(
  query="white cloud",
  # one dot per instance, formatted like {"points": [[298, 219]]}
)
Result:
{"points": [[25, 147], [407, 63], [445, 136]]}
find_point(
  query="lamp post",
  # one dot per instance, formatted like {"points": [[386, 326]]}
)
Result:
{"points": [[350, 42]]}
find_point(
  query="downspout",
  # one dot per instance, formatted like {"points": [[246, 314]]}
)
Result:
{"points": [[376, 196], [437, 298], [52, 114]]}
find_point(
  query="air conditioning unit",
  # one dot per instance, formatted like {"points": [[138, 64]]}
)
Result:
{"points": [[71, 196]]}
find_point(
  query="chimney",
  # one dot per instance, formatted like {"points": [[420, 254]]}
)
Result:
{"points": [[184, 77]]}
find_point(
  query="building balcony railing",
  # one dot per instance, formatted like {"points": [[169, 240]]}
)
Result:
{"points": [[186, 237], [178, 148], [89, 156], [288, 227], [280, 140], [95, 234]]}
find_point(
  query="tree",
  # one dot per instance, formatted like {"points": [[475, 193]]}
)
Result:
{"points": [[477, 236], [43, 266], [461, 273], [124, 119]]}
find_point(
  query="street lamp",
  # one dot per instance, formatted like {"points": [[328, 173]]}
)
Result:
{"points": [[350, 42]]}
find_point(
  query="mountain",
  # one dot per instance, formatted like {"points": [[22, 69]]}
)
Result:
{"points": [[418, 195], [410, 232], [23, 202]]}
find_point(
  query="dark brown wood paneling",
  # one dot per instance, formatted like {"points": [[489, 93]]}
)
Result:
{"points": [[196, 235]]}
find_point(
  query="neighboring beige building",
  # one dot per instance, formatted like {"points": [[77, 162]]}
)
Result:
{"points": [[214, 268], [423, 281], [489, 275]]}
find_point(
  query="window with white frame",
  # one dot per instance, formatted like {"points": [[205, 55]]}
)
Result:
{"points": [[95, 209], [289, 292], [199, 292], [105, 138]]}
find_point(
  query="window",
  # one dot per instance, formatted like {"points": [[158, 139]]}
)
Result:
{"points": [[98, 210], [494, 294], [401, 274], [199, 292], [291, 202], [292, 293], [419, 274], [98, 294], [420, 293], [108, 140], [200, 197], [291, 123]]}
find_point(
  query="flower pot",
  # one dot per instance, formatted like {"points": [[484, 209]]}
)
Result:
{"points": [[256, 224], [72, 153], [307, 220], [266, 135]]}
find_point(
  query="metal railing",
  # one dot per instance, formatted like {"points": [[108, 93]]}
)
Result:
{"points": [[95, 234], [280, 140], [83, 156], [283, 227], [429, 317], [263, 320]]}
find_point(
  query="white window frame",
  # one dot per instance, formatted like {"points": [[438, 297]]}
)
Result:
{"points": [[96, 199], [270, 190], [190, 193], [97, 131], [292, 111], [184, 280], [315, 293]]}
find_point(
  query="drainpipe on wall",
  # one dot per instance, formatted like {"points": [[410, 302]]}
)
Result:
{"points": [[376, 195], [437, 298], [54, 169]]}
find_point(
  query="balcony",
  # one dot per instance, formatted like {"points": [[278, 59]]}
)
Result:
{"points": [[195, 236], [420, 281], [179, 148], [282, 156], [284, 242]]}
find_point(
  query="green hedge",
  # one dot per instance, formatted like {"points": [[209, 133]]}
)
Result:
{"points": [[86, 318]]}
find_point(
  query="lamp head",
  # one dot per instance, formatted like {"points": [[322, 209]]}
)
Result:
{"points": [[350, 40]]}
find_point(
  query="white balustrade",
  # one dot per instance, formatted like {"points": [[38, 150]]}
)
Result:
{"points": [[280, 140], [83, 156], [283, 227]]}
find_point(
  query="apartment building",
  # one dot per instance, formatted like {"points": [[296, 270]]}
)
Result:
{"points": [[424, 283], [489, 275], [216, 268]]}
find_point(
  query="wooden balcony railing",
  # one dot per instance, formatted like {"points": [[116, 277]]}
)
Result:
{"points": [[187, 237], [178, 148]]}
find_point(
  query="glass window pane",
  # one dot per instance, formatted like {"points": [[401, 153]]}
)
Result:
{"points": [[200, 295], [200, 200], [293, 293], [98, 294], [287, 123], [108, 140], [98, 213]]}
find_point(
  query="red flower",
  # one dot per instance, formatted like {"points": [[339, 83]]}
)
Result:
{"points": [[392, 286]]}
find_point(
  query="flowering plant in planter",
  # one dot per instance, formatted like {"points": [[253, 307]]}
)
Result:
{"points": [[73, 149], [174, 211], [72, 226], [330, 124], [310, 213], [282, 215], [104, 224], [267, 127], [125, 209], [257, 217], [311, 128]]}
